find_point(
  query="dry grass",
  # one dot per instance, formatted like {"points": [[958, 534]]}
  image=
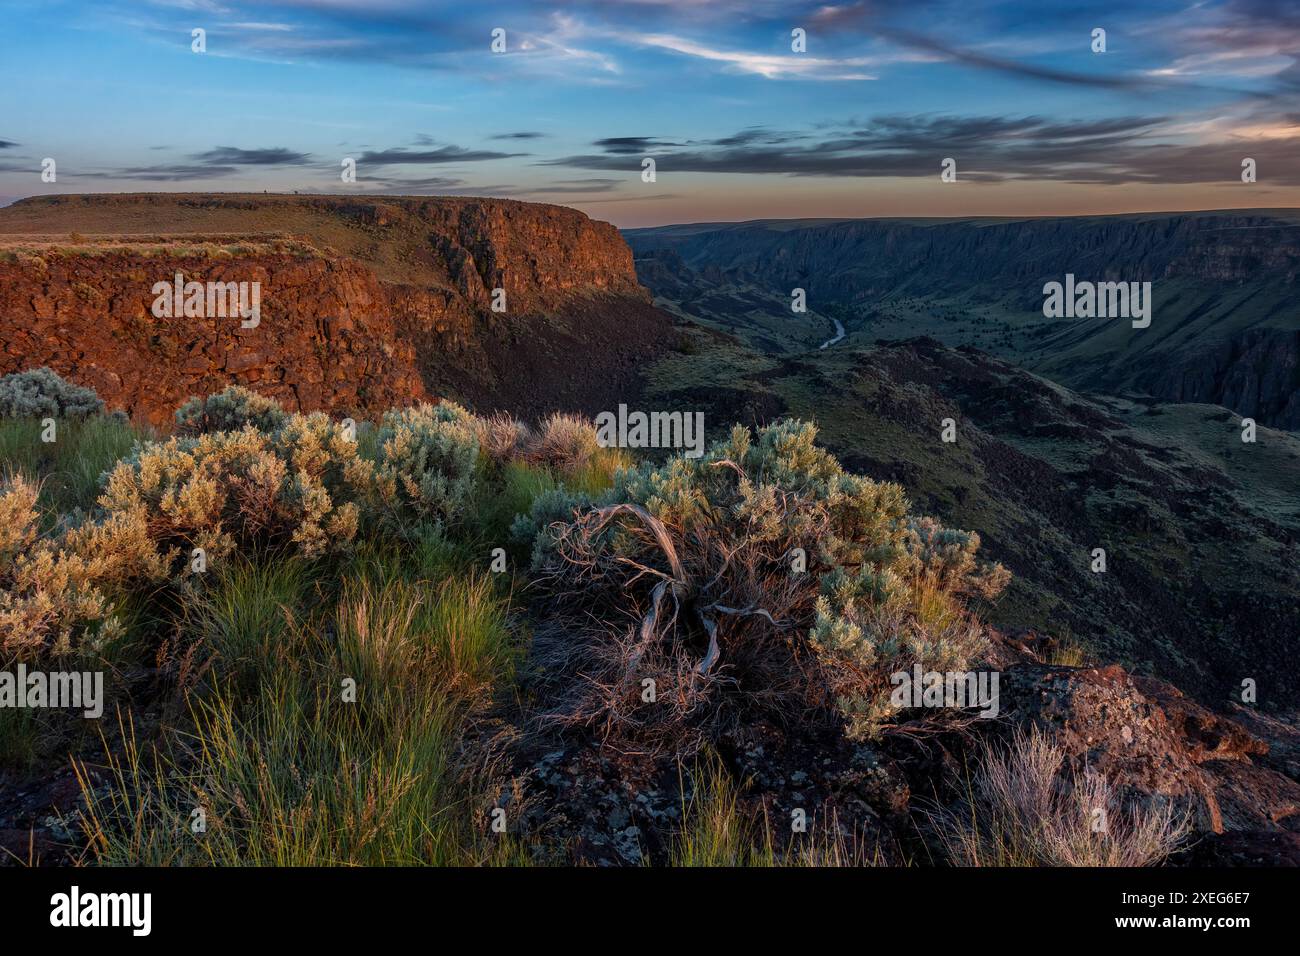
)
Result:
{"points": [[717, 831], [502, 438], [566, 443], [672, 637], [1025, 807], [1068, 651]]}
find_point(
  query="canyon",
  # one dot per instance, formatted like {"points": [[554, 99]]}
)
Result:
{"points": [[1072, 435], [368, 304], [1225, 326]]}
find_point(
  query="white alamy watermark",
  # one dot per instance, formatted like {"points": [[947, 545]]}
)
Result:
{"points": [[959, 689], [75, 908], [1098, 300], [208, 300], [76, 690], [624, 429]]}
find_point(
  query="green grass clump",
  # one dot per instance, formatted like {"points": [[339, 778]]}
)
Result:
{"points": [[305, 773], [244, 616], [69, 468]]}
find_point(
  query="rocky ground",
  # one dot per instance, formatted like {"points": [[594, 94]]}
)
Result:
{"points": [[1233, 771]]}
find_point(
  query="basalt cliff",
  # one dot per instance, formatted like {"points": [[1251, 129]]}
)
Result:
{"points": [[364, 304]]}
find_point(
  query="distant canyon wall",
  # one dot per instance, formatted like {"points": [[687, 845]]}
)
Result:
{"points": [[1227, 287]]}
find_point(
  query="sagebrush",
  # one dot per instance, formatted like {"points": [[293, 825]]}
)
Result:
{"points": [[41, 392], [759, 576]]}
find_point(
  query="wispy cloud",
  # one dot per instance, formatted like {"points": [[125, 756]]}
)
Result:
{"points": [[770, 66], [278, 156], [163, 173], [987, 149], [443, 154], [632, 145]]}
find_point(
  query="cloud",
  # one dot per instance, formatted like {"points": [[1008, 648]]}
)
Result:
{"points": [[578, 186], [1137, 149], [178, 172], [232, 155], [1252, 43], [215, 163], [520, 135], [423, 184], [414, 35], [770, 66], [632, 145], [444, 154], [1237, 39], [222, 161], [7, 144], [753, 135], [986, 61]]}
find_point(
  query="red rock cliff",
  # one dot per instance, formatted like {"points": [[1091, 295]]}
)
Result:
{"points": [[366, 304], [323, 340]]}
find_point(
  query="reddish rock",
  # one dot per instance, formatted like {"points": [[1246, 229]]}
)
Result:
{"points": [[1153, 742], [149, 366], [378, 303]]}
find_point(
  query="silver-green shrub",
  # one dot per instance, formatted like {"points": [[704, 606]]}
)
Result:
{"points": [[230, 410], [50, 602], [759, 575], [301, 487], [41, 393], [428, 463]]}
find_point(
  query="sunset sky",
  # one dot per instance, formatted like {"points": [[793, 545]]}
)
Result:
{"points": [[739, 125]]}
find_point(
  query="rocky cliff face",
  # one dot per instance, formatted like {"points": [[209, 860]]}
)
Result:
{"points": [[1255, 373], [323, 340], [365, 304]]}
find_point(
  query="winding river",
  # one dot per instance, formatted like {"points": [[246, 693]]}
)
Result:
{"points": [[839, 334]]}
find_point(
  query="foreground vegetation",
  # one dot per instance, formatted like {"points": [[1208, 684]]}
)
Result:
{"points": [[321, 632]]}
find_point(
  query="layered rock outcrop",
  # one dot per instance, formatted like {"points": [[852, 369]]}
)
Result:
{"points": [[324, 338], [1255, 373], [366, 304]]}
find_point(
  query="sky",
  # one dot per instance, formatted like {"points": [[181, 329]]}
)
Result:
{"points": [[740, 124]]}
